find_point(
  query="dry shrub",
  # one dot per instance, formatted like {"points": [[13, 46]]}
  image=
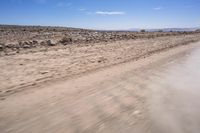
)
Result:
{"points": [[66, 40]]}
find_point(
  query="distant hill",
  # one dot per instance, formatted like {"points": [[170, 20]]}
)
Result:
{"points": [[167, 29], [175, 29]]}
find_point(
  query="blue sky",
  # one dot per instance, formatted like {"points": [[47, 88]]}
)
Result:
{"points": [[102, 14]]}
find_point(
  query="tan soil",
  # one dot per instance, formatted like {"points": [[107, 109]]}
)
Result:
{"points": [[30, 68], [113, 100]]}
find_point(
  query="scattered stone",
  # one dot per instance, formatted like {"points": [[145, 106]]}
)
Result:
{"points": [[1, 47], [44, 72], [31, 36], [26, 46], [35, 42], [51, 43], [66, 40], [102, 60], [43, 43]]}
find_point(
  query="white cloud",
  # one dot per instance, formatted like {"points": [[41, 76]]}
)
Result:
{"points": [[158, 8], [109, 13]]}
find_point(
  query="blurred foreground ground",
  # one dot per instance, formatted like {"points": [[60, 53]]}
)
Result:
{"points": [[158, 94]]}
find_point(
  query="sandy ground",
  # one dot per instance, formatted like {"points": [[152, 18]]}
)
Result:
{"points": [[22, 71], [173, 104], [150, 95]]}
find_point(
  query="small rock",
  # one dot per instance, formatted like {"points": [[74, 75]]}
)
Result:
{"points": [[35, 42], [51, 43], [26, 46], [10, 45], [44, 72], [1, 47], [66, 40], [43, 43], [102, 60]]}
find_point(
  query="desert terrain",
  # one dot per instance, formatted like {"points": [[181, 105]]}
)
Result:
{"points": [[56, 79]]}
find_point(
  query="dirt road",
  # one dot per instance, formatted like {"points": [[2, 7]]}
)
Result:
{"points": [[158, 94], [20, 70], [175, 105]]}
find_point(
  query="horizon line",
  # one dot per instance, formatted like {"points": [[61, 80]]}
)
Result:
{"points": [[85, 28]]}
